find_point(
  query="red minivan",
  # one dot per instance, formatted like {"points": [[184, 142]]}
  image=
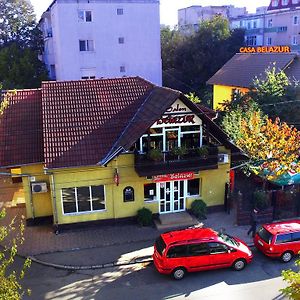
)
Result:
{"points": [[198, 249], [279, 240]]}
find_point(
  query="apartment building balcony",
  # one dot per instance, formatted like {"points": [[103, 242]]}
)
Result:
{"points": [[169, 162]]}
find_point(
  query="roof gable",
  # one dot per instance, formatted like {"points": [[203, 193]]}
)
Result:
{"points": [[233, 72]]}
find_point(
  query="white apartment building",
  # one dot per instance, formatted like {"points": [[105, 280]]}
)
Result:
{"points": [[87, 39], [190, 17]]}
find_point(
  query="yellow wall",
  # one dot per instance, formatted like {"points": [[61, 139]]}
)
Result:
{"points": [[223, 93], [212, 190], [42, 206]]}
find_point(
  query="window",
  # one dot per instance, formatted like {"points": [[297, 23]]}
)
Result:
{"points": [[265, 235], [85, 15], [194, 187], [160, 245], [83, 199], [254, 24], [52, 72], [251, 40], [120, 11], [296, 236], [269, 41], [121, 40], [149, 191], [122, 69], [282, 29], [177, 251], [217, 248], [198, 249], [248, 25], [88, 73], [86, 45], [283, 238], [295, 1], [295, 20], [270, 23], [285, 2], [274, 3], [294, 40], [128, 194], [88, 77]]}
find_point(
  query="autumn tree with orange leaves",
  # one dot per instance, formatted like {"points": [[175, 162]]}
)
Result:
{"points": [[272, 146]]}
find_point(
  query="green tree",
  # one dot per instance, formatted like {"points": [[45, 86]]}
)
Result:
{"points": [[275, 93], [199, 55], [10, 280], [292, 291], [20, 67]]}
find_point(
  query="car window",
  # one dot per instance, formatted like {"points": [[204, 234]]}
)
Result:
{"points": [[265, 235], [296, 236], [198, 249], [160, 245], [283, 238], [216, 248], [177, 251]]}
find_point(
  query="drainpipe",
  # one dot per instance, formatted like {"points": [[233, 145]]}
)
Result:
{"points": [[55, 218]]}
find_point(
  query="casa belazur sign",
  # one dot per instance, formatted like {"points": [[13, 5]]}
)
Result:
{"points": [[178, 114]]}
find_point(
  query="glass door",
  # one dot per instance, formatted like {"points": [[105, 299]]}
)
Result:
{"points": [[165, 201], [172, 139], [179, 196]]}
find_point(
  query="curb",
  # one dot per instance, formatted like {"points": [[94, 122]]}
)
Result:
{"points": [[138, 260]]}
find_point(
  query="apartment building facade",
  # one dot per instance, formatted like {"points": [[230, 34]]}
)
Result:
{"points": [[277, 24], [190, 17], [85, 39]]}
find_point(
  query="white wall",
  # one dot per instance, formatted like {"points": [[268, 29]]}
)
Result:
{"points": [[139, 26]]}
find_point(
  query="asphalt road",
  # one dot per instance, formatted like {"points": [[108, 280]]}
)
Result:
{"points": [[260, 280]]}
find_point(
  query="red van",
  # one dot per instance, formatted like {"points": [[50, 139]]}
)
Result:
{"points": [[279, 240], [198, 249]]}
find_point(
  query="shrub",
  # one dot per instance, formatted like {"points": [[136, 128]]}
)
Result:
{"points": [[144, 216], [198, 208], [155, 154], [202, 151], [260, 199], [179, 151]]}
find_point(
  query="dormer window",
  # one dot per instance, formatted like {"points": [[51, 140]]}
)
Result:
{"points": [[274, 3], [285, 2], [295, 1]]}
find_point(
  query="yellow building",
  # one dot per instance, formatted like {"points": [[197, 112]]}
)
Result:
{"points": [[99, 150], [238, 73]]}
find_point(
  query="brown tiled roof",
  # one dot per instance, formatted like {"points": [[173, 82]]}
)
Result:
{"points": [[242, 68], [83, 119], [21, 139], [85, 122]]}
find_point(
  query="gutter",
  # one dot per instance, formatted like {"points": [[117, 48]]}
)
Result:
{"points": [[53, 192]]}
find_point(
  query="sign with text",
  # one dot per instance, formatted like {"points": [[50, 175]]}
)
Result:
{"points": [[174, 177], [266, 49]]}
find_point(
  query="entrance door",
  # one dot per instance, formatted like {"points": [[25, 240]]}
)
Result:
{"points": [[171, 196]]}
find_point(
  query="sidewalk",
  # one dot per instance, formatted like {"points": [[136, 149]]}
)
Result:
{"points": [[117, 245]]}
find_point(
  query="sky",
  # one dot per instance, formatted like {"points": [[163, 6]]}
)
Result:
{"points": [[169, 8]]}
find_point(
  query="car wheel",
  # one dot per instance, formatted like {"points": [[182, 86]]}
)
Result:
{"points": [[286, 256], [239, 264], [179, 273]]}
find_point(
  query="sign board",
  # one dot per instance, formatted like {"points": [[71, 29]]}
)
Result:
{"points": [[266, 49], [174, 177]]}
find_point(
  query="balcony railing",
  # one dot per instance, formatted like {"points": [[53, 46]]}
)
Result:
{"points": [[170, 163]]}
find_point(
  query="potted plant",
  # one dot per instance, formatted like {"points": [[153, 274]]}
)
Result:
{"points": [[203, 151], [179, 151], [155, 154]]}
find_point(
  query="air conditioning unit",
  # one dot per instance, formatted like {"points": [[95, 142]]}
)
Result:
{"points": [[39, 187], [223, 158]]}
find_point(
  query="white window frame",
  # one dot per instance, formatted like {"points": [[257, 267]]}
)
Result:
{"points": [[270, 23], [294, 40], [295, 1], [122, 69], [84, 15], [269, 41], [76, 201], [275, 3], [87, 47], [284, 2], [120, 11], [295, 20]]}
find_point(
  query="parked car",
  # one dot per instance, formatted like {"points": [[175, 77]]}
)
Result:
{"points": [[198, 249], [279, 240]]}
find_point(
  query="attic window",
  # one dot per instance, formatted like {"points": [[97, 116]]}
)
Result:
{"points": [[275, 3], [285, 2]]}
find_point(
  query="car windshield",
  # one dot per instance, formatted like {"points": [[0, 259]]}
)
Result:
{"points": [[229, 240], [265, 235], [160, 245]]}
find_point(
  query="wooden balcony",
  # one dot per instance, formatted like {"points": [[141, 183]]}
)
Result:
{"points": [[176, 164]]}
